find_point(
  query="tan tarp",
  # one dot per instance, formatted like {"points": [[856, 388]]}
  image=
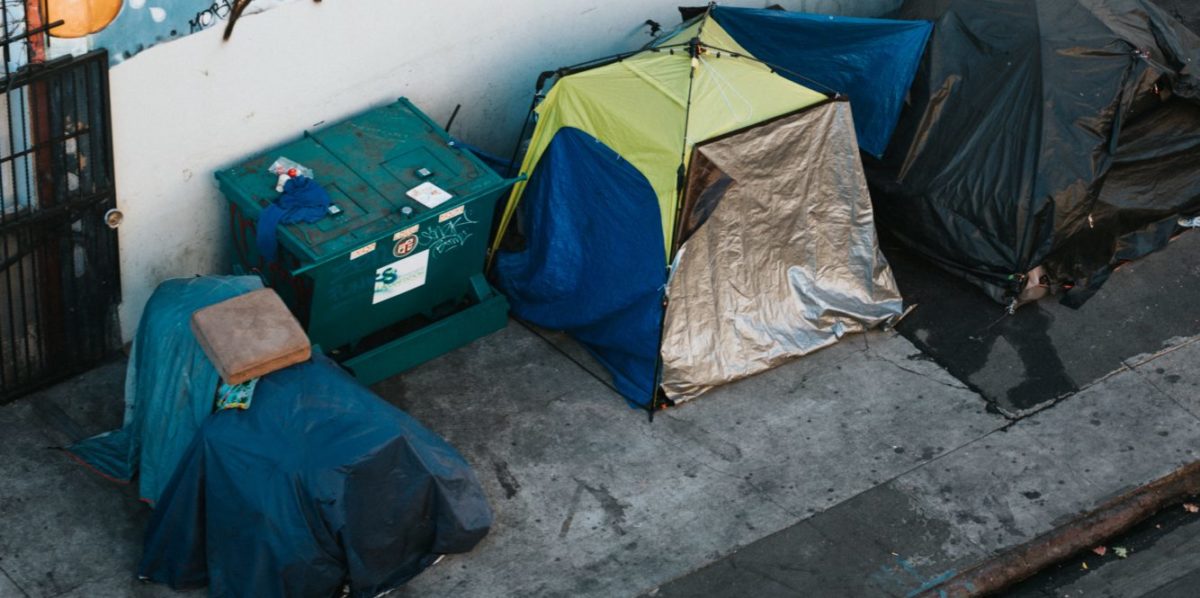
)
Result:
{"points": [[782, 257]]}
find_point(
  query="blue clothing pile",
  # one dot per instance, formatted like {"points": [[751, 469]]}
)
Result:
{"points": [[303, 200]]}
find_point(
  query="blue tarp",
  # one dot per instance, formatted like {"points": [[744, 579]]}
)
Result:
{"points": [[594, 268], [319, 483], [169, 386], [872, 61]]}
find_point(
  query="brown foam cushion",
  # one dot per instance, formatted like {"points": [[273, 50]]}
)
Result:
{"points": [[250, 335]]}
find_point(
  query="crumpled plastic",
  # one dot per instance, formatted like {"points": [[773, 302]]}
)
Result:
{"points": [[1053, 134]]}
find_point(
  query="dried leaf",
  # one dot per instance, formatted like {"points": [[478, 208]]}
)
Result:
{"points": [[1085, 566], [1191, 507], [1121, 551]]}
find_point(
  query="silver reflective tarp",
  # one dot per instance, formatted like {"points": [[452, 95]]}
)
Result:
{"points": [[780, 258]]}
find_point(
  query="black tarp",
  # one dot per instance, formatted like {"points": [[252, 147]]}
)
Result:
{"points": [[319, 483], [1060, 134], [1187, 11]]}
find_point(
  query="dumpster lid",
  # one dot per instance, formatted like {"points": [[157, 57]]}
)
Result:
{"points": [[368, 164]]}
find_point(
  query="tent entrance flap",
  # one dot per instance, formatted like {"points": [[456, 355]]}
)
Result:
{"points": [[783, 259]]}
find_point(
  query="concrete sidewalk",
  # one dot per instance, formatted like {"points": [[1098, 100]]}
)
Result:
{"points": [[593, 500], [1047, 350], [63, 530], [990, 495], [864, 468]]}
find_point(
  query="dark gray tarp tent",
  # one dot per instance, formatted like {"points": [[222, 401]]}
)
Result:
{"points": [[1186, 11], [1046, 142]]}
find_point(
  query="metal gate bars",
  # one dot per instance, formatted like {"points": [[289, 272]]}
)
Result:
{"points": [[59, 283]]}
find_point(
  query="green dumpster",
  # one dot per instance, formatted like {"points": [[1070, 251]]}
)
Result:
{"points": [[384, 282]]}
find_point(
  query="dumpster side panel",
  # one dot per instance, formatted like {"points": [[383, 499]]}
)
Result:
{"points": [[385, 264]]}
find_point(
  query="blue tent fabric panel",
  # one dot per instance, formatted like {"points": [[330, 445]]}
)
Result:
{"points": [[594, 265], [872, 61]]}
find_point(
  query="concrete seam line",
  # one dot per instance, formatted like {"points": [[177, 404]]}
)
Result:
{"points": [[1110, 519], [1166, 394], [1160, 353], [57, 419], [14, 582], [1120, 370]]}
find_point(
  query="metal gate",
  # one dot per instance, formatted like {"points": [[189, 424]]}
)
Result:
{"points": [[59, 283]]}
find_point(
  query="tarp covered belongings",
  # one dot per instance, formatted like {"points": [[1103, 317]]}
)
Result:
{"points": [[696, 151], [1184, 11], [319, 483], [1047, 142], [169, 386]]}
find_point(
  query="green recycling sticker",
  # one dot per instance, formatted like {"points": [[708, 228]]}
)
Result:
{"points": [[401, 276]]}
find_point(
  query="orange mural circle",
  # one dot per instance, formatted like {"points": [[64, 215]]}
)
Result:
{"points": [[80, 17]]}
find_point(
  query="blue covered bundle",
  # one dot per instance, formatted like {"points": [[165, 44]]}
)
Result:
{"points": [[169, 386], [319, 484]]}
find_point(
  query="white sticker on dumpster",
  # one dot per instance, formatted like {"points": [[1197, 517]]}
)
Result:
{"points": [[430, 195], [401, 276]]}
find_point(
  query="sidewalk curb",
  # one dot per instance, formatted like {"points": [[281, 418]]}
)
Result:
{"points": [[1110, 519]]}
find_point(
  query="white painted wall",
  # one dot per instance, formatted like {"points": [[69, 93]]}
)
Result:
{"points": [[185, 109]]}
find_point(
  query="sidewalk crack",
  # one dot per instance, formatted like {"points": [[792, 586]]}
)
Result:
{"points": [[14, 583], [763, 494], [931, 378], [1136, 371]]}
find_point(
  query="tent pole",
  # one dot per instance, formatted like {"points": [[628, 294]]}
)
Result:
{"points": [[512, 161], [680, 182], [825, 89], [607, 60], [537, 95]]}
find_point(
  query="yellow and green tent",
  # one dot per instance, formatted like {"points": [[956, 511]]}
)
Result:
{"points": [[692, 216]]}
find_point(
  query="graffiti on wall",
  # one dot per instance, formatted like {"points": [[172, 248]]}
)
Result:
{"points": [[127, 27]]}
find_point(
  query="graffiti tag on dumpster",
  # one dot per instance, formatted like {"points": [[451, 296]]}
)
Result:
{"points": [[449, 235]]}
